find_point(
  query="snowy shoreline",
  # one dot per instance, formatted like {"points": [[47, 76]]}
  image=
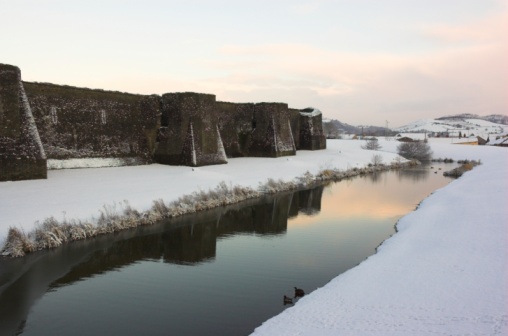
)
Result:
{"points": [[445, 271], [83, 194], [52, 233]]}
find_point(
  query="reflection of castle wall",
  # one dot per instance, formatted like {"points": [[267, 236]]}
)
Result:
{"points": [[192, 239], [268, 217], [306, 201], [185, 240], [21, 153], [189, 245], [311, 201]]}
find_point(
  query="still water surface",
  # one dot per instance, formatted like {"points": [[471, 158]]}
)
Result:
{"points": [[220, 272]]}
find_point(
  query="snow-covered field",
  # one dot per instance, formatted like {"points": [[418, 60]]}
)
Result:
{"points": [[466, 126], [444, 272]]}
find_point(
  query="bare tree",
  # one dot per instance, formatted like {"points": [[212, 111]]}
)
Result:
{"points": [[372, 144], [418, 150], [376, 159]]}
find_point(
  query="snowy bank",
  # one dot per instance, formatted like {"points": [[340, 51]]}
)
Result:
{"points": [[80, 194], [444, 272]]}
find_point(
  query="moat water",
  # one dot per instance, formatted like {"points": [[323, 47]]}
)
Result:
{"points": [[220, 272]]}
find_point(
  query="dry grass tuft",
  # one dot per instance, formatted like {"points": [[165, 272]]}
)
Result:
{"points": [[18, 243], [468, 166]]}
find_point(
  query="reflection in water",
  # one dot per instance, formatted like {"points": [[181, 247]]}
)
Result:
{"points": [[186, 240], [196, 242], [249, 247], [375, 177], [417, 174]]}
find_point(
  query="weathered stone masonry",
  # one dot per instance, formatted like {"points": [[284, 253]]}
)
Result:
{"points": [[193, 129], [78, 123], [189, 133], [22, 155]]}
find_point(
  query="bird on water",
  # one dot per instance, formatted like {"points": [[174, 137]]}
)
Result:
{"points": [[299, 292]]}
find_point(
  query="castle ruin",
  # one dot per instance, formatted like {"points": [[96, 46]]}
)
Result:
{"points": [[40, 121]]}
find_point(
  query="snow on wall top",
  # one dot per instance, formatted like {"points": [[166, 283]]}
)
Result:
{"points": [[310, 112]]}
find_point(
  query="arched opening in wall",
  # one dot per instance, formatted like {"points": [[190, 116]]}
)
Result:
{"points": [[53, 115]]}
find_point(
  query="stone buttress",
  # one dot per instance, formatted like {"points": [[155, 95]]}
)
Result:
{"points": [[22, 156], [312, 136], [189, 133]]}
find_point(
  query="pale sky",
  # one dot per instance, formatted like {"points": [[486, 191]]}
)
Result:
{"points": [[363, 62]]}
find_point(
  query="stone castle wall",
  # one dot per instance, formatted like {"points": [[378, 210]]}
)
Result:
{"points": [[193, 129], [22, 155], [272, 135], [235, 125], [189, 133], [83, 123], [258, 130], [311, 132]]}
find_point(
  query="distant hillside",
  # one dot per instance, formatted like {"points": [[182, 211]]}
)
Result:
{"points": [[494, 118], [465, 124], [334, 129]]}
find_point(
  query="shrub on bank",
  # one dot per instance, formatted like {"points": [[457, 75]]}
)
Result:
{"points": [[417, 150]]}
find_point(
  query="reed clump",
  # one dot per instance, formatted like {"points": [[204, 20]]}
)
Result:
{"points": [[466, 165]]}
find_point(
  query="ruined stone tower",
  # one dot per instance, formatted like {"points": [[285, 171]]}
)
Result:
{"points": [[189, 133], [312, 136], [272, 135], [22, 156]]}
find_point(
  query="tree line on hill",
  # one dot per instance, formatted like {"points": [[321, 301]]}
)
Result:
{"points": [[334, 129]]}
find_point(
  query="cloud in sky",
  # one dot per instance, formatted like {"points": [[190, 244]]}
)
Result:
{"points": [[362, 62]]}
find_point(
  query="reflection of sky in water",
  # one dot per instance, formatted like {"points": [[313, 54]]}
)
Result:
{"points": [[385, 195]]}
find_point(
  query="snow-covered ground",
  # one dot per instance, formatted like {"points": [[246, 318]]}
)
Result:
{"points": [[81, 193], [444, 272], [454, 126]]}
